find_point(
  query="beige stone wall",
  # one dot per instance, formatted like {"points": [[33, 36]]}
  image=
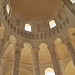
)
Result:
{"points": [[41, 40]]}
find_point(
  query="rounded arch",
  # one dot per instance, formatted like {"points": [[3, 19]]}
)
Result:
{"points": [[12, 41], [49, 71], [70, 69], [61, 53], [57, 41], [26, 56], [71, 33], [44, 54], [43, 45], [28, 45]]}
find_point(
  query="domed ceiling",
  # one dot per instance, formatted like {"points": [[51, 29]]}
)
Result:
{"points": [[35, 9]]}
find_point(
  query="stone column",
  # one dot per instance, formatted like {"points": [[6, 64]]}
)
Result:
{"points": [[1, 4], [71, 50], [16, 69], [36, 68], [3, 61], [2, 43], [55, 61]]}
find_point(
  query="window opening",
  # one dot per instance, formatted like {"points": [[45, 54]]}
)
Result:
{"points": [[52, 24], [28, 27]]}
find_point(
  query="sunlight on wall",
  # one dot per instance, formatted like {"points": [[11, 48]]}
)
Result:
{"points": [[70, 69]]}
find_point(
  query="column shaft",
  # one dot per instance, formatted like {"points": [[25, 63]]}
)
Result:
{"points": [[2, 43], [17, 62], [56, 65], [71, 51], [3, 61], [36, 68]]}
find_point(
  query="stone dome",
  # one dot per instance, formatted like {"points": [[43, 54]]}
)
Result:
{"points": [[35, 10], [37, 37]]}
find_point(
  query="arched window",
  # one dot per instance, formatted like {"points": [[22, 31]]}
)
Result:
{"points": [[52, 23], [49, 71], [8, 8], [28, 27], [73, 1]]}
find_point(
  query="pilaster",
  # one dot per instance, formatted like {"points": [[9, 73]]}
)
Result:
{"points": [[16, 69], [36, 67], [2, 43], [3, 61], [55, 61], [70, 50]]}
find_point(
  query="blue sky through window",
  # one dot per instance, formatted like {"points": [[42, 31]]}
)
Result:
{"points": [[50, 73], [28, 27], [52, 24], [73, 1]]}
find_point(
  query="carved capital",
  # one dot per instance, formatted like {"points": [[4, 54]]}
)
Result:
{"points": [[35, 51], [52, 48], [65, 41], [2, 39], [19, 47]]}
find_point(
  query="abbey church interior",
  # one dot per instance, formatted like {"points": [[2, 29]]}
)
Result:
{"points": [[37, 37]]}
